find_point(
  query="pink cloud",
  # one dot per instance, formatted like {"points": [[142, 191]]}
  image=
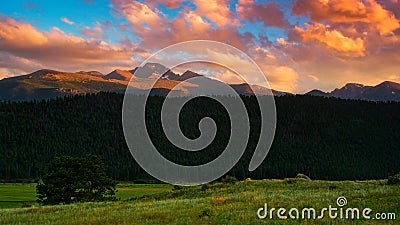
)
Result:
{"points": [[217, 12], [171, 4], [67, 21], [95, 32], [269, 13], [156, 31], [56, 48]]}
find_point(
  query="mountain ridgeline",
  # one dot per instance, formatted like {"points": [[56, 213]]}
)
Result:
{"points": [[386, 91], [47, 84], [324, 138]]}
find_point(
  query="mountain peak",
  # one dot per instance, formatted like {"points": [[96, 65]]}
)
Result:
{"points": [[385, 91], [317, 92], [118, 74], [44, 72], [353, 85], [92, 73], [151, 70], [189, 74], [389, 84]]}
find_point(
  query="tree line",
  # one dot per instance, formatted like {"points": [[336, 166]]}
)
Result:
{"points": [[324, 138]]}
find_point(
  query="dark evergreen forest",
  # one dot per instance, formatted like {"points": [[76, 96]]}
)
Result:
{"points": [[324, 138]]}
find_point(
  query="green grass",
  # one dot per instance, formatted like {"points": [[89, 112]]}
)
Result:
{"points": [[128, 190], [221, 204], [17, 195]]}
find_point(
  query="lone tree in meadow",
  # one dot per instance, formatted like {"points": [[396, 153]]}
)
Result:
{"points": [[69, 179]]}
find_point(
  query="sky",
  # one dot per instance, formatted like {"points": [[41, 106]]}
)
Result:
{"points": [[299, 44]]}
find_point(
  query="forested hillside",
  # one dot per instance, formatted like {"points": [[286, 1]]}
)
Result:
{"points": [[323, 138]]}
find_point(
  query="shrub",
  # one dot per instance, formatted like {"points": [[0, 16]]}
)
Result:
{"points": [[206, 187], [177, 188], [229, 180], [395, 179]]}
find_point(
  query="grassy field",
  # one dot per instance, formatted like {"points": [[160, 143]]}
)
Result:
{"points": [[218, 204], [17, 195]]}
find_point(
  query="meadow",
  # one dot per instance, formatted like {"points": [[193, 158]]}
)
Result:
{"points": [[218, 203], [17, 195]]}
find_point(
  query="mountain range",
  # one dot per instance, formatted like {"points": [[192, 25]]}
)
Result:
{"points": [[386, 91], [45, 84]]}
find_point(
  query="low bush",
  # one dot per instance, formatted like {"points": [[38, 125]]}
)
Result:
{"points": [[395, 179]]}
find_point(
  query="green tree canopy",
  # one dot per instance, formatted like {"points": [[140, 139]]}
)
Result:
{"points": [[71, 179]]}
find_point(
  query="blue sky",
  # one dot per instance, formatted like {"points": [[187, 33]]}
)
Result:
{"points": [[45, 14]]}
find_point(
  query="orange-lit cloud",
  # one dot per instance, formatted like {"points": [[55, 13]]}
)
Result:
{"points": [[349, 11], [216, 11], [13, 34], [367, 31], [332, 38], [157, 31], [55, 48], [332, 69], [142, 17], [228, 76]]}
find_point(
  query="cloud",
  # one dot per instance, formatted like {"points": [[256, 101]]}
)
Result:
{"points": [[345, 41], [58, 49], [95, 32], [14, 34], [313, 78], [335, 70], [150, 24], [67, 21], [229, 77], [171, 4], [391, 5], [269, 14], [210, 21], [217, 12], [4, 73], [349, 11], [31, 6], [333, 39]]}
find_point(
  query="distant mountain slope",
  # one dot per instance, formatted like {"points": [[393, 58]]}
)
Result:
{"points": [[319, 93], [386, 91], [45, 84], [119, 75], [246, 89], [92, 73]]}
